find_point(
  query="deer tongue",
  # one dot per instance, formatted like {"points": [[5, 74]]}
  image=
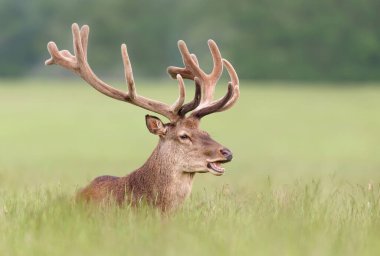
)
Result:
{"points": [[216, 166]]}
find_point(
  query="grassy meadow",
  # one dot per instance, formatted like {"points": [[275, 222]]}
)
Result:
{"points": [[305, 178]]}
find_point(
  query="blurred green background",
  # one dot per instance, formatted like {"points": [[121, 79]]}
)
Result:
{"points": [[265, 39], [305, 132]]}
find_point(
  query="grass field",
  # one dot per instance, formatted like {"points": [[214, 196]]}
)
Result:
{"points": [[305, 179]]}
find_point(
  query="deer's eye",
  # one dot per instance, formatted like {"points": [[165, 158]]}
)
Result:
{"points": [[184, 137]]}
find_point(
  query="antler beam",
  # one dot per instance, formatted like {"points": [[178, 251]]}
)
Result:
{"points": [[78, 64], [202, 104]]}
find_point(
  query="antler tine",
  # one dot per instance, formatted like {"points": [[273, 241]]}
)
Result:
{"points": [[182, 94], [78, 64], [184, 72], [228, 100], [128, 73], [63, 58], [195, 102], [84, 33], [189, 61], [217, 60], [192, 69], [77, 44], [235, 84], [208, 81], [216, 106]]}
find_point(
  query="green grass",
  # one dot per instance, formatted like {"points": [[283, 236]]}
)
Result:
{"points": [[298, 184]]}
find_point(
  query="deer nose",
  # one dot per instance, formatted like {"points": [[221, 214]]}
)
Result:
{"points": [[226, 153]]}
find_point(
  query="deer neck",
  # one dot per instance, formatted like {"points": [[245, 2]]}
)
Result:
{"points": [[164, 178], [166, 167]]}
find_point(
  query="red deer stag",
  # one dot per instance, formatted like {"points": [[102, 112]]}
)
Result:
{"points": [[165, 179]]}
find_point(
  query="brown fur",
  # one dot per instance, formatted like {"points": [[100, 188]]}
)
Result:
{"points": [[166, 178]]}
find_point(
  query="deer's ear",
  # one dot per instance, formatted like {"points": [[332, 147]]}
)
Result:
{"points": [[155, 125]]}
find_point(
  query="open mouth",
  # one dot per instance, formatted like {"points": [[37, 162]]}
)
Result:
{"points": [[216, 168]]}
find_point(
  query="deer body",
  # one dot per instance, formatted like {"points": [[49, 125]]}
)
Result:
{"points": [[158, 182], [165, 179], [162, 188]]}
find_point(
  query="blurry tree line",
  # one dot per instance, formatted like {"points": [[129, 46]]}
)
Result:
{"points": [[264, 39]]}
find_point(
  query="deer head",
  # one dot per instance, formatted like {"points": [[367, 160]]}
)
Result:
{"points": [[180, 139]]}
